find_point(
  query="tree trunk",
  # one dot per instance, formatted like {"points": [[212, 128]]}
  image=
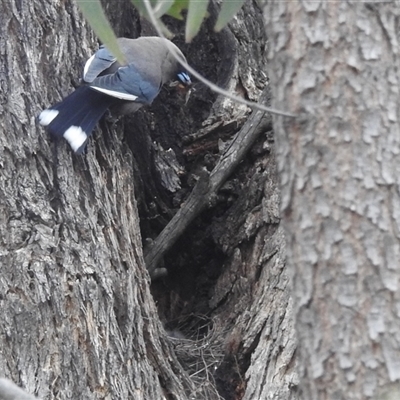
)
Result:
{"points": [[79, 319], [335, 64]]}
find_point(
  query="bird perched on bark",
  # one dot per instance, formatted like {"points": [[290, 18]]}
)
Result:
{"points": [[108, 84]]}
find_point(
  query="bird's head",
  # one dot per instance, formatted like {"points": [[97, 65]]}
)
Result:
{"points": [[183, 84], [184, 81]]}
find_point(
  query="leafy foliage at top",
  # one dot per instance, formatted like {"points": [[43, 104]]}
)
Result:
{"points": [[94, 13], [196, 12]]}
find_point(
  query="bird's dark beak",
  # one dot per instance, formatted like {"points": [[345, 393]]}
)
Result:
{"points": [[181, 85], [183, 89]]}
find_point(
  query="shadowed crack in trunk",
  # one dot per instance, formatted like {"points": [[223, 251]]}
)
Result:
{"points": [[207, 187]]}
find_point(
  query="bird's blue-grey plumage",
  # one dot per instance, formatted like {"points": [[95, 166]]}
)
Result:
{"points": [[98, 63], [149, 64], [129, 83]]}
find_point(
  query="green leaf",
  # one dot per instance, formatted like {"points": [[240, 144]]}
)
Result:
{"points": [[140, 7], [177, 8], [228, 10], [162, 7], [93, 12], [196, 13]]}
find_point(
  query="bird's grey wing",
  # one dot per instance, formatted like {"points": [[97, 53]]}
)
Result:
{"points": [[130, 83], [97, 64]]}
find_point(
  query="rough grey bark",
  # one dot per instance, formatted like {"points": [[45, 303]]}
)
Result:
{"points": [[335, 64], [78, 318], [77, 315]]}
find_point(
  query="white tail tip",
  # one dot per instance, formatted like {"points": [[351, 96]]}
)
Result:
{"points": [[47, 116], [75, 136]]}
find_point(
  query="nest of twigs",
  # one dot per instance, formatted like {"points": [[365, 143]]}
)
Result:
{"points": [[198, 343]]}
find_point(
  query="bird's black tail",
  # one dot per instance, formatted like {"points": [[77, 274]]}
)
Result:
{"points": [[75, 117]]}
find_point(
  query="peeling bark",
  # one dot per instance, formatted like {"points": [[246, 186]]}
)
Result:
{"points": [[205, 191]]}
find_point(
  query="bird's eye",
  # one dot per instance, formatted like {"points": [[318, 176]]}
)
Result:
{"points": [[184, 78]]}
